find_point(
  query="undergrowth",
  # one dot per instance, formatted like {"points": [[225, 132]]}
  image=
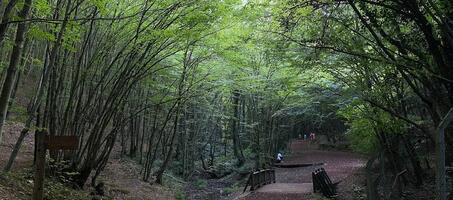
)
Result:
{"points": [[21, 183]]}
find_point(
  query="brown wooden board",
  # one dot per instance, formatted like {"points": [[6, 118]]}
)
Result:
{"points": [[323, 183], [260, 178], [61, 142], [292, 165]]}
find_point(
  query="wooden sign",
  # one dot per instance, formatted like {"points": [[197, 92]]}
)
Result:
{"points": [[38, 187], [61, 142], [44, 142]]}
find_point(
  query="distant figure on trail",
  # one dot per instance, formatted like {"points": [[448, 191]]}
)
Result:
{"points": [[312, 136], [279, 158], [305, 136]]}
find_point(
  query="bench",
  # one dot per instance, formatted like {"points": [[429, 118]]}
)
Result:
{"points": [[260, 178], [323, 184]]}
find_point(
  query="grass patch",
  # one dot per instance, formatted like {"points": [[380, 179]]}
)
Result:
{"points": [[200, 184], [176, 185], [180, 195], [17, 113], [21, 184], [120, 190], [232, 189], [229, 190]]}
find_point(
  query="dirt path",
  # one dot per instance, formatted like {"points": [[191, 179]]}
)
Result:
{"points": [[25, 156], [124, 182], [296, 183], [338, 165]]}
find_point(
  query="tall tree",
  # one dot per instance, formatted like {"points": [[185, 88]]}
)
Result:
{"points": [[14, 61]]}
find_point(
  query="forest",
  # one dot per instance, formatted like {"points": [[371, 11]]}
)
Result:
{"points": [[186, 99]]}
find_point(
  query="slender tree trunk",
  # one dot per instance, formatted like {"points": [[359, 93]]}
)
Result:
{"points": [[33, 109], [131, 136], [24, 61], [1, 3], [168, 157], [371, 188], [5, 19], [234, 129], [142, 138], [441, 179], [12, 68]]}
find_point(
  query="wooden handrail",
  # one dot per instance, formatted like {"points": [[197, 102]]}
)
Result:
{"points": [[322, 183], [260, 178]]}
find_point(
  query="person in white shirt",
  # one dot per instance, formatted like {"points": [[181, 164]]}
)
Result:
{"points": [[279, 157]]}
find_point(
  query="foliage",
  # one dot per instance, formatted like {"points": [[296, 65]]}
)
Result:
{"points": [[22, 182], [361, 132], [229, 190], [224, 85], [180, 195], [19, 113], [200, 184]]}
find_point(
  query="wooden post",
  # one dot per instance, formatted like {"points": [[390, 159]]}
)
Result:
{"points": [[441, 182], [39, 165], [266, 177], [273, 176], [252, 181], [261, 178], [313, 178], [42, 143]]}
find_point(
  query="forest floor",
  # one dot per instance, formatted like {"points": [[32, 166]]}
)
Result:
{"points": [[218, 189], [346, 167], [121, 176], [123, 181]]}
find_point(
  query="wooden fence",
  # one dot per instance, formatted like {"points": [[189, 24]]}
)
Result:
{"points": [[323, 184], [260, 178]]}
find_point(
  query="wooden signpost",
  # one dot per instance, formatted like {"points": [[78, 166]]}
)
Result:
{"points": [[44, 142], [61, 142]]}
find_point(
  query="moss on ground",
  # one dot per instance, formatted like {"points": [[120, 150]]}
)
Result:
{"points": [[20, 184], [176, 185]]}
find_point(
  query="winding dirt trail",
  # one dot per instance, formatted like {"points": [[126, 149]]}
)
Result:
{"points": [[296, 183]]}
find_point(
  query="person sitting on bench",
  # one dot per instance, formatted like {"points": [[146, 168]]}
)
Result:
{"points": [[279, 158]]}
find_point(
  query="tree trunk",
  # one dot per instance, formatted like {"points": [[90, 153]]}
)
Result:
{"points": [[441, 179], [234, 129], [168, 157], [5, 19], [12, 68], [371, 185]]}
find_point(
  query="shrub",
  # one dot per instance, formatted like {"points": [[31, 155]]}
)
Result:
{"points": [[200, 184]]}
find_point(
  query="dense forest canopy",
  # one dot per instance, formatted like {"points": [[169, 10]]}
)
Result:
{"points": [[183, 85]]}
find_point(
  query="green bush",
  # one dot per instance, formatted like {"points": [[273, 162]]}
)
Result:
{"points": [[229, 190], [22, 182], [364, 122], [362, 136], [18, 113], [180, 195], [200, 184]]}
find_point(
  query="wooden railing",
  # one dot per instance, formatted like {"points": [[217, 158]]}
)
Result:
{"points": [[323, 184], [260, 178]]}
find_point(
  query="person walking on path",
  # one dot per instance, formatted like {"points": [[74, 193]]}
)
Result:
{"points": [[312, 137]]}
